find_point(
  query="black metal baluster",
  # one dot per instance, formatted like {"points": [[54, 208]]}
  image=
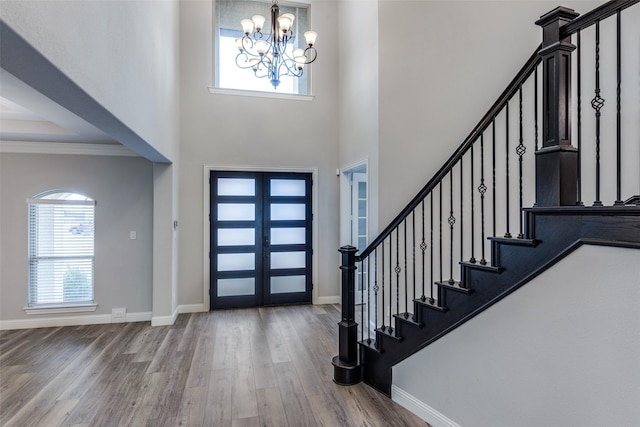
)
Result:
{"points": [[398, 270], [423, 247], [413, 251], [361, 299], [493, 165], [618, 201], [376, 289], [473, 258], [597, 103], [507, 234], [440, 290], [482, 189], [461, 209], [369, 300], [390, 329], [382, 276], [520, 150], [452, 221], [535, 106], [431, 299], [406, 281], [579, 100]]}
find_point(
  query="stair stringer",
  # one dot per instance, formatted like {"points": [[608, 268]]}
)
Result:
{"points": [[550, 235]]}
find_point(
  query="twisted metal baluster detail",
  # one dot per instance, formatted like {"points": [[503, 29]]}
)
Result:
{"points": [[398, 270], [423, 247], [482, 189], [597, 103], [452, 221], [413, 250], [382, 276], [520, 150]]}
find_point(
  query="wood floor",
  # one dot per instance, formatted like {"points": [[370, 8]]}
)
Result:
{"points": [[256, 367]]}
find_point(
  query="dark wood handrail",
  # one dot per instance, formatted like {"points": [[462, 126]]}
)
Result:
{"points": [[598, 14], [484, 123]]}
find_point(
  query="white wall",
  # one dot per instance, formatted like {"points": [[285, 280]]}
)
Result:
{"points": [[122, 53], [358, 89], [442, 65], [124, 58], [562, 351], [123, 190], [249, 132]]}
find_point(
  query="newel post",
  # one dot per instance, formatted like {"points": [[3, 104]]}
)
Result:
{"points": [[346, 366], [557, 160]]}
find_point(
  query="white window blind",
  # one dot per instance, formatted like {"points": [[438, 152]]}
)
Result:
{"points": [[61, 249]]}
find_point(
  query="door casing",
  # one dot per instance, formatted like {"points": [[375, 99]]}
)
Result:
{"points": [[207, 230]]}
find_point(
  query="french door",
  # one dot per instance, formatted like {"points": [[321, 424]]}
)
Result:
{"points": [[260, 239]]}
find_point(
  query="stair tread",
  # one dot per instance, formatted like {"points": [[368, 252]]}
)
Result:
{"points": [[433, 306], [514, 241], [388, 331], [455, 286], [370, 344], [408, 318], [485, 267]]}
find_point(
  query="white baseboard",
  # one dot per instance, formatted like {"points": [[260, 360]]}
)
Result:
{"points": [[164, 320], [421, 409], [191, 308], [54, 322], [170, 320], [143, 316], [327, 300]]}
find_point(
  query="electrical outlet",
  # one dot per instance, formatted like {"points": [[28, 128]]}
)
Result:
{"points": [[133, 235], [118, 315]]}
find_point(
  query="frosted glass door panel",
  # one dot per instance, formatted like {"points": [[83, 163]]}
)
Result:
{"points": [[285, 284], [236, 287], [288, 260], [288, 236], [288, 212], [236, 187], [236, 236], [236, 212], [235, 262], [287, 187]]}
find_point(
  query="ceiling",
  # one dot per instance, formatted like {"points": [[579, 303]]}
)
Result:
{"points": [[29, 116]]}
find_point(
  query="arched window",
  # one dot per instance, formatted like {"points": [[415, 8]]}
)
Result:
{"points": [[61, 249]]}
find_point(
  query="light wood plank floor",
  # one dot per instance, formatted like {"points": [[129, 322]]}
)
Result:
{"points": [[255, 367]]}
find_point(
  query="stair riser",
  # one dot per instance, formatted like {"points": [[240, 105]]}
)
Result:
{"points": [[555, 233]]}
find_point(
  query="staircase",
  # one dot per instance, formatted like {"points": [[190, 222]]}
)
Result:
{"points": [[450, 253]]}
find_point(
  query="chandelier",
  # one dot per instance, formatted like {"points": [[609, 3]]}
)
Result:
{"points": [[267, 55]]}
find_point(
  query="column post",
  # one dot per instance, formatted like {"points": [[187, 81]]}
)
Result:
{"points": [[557, 159], [346, 366]]}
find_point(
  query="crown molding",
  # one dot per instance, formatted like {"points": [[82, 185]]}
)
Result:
{"points": [[33, 147]]}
